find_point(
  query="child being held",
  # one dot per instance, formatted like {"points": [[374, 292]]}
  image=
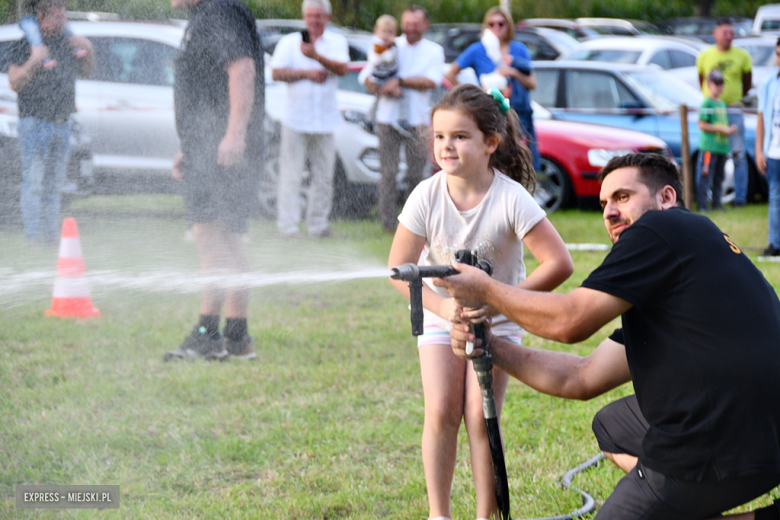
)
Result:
{"points": [[713, 143], [383, 59]]}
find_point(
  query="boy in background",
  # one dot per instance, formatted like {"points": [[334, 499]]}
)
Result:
{"points": [[383, 60], [713, 142]]}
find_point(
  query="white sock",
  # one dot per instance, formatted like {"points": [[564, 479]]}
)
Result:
{"points": [[441, 518]]}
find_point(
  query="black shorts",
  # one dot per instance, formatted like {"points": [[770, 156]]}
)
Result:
{"points": [[218, 193], [648, 495]]}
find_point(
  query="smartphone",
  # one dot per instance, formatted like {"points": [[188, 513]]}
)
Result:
{"points": [[305, 36]]}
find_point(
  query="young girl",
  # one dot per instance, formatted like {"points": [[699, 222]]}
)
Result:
{"points": [[478, 202]]}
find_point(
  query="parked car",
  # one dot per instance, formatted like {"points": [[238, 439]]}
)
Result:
{"points": [[127, 108], [617, 27], [569, 27], [634, 98], [543, 44], [767, 20], [702, 27], [666, 53], [272, 30], [79, 181]]}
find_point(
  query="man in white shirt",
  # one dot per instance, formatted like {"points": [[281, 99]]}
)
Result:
{"points": [[420, 71], [311, 114]]}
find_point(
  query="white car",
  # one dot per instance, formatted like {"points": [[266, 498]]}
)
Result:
{"points": [[666, 53], [127, 108], [767, 20]]}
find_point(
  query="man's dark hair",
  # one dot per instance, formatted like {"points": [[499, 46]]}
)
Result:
{"points": [[45, 6], [724, 21], [414, 8], [655, 171]]}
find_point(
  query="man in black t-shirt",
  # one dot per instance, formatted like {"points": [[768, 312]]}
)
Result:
{"points": [[219, 102], [702, 345], [46, 98]]}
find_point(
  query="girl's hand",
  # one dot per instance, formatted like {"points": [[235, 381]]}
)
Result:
{"points": [[451, 311], [478, 315]]}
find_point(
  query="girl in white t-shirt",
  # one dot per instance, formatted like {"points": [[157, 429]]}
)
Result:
{"points": [[478, 202]]}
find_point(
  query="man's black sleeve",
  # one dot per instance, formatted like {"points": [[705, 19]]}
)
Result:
{"points": [[19, 53], [232, 37], [640, 266]]}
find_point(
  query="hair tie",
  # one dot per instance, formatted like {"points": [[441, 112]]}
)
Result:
{"points": [[503, 103]]}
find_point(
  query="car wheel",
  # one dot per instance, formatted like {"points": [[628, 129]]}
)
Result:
{"points": [[351, 201], [553, 187]]}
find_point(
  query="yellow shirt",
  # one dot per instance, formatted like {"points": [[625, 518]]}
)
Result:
{"points": [[733, 63]]}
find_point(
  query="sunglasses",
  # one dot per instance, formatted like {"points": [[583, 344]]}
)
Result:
{"points": [[496, 24]]}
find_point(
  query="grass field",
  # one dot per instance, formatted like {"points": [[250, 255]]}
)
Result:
{"points": [[325, 424]]}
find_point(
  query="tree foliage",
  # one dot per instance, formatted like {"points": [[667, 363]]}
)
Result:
{"points": [[362, 13]]}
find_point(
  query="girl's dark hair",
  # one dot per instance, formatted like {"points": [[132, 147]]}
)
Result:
{"points": [[512, 156]]}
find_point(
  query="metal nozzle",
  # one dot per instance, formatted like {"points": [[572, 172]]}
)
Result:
{"points": [[406, 272]]}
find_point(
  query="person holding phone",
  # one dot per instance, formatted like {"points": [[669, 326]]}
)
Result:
{"points": [[309, 62]]}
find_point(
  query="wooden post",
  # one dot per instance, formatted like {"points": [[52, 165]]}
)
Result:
{"points": [[688, 180]]}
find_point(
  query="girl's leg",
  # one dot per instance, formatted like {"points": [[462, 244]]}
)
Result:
{"points": [[481, 461], [443, 386]]}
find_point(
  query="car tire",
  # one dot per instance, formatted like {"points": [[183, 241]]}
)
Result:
{"points": [[553, 187], [351, 201]]}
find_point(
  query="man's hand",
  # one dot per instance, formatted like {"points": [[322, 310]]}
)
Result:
{"points": [[231, 150], [317, 75], [80, 45], [308, 50], [391, 89], [761, 160], [177, 172], [38, 54], [466, 286]]}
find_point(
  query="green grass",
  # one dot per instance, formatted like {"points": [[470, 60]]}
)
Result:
{"points": [[325, 424]]}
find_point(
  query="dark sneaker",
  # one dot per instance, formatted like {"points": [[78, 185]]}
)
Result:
{"points": [[771, 251], [199, 345], [243, 348]]}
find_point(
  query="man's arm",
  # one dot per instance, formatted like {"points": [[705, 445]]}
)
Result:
{"points": [[19, 76], [747, 82], [555, 373], [87, 60], [567, 318], [241, 92], [760, 158], [418, 83], [338, 68]]}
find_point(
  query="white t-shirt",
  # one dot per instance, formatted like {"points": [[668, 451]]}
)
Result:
{"points": [[311, 107], [774, 139], [426, 59], [493, 231]]}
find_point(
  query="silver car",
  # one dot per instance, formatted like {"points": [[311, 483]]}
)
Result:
{"points": [[127, 107]]}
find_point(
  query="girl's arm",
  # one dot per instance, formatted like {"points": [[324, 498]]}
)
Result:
{"points": [[406, 249], [544, 242], [555, 264]]}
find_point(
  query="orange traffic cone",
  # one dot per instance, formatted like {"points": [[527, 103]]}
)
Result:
{"points": [[71, 292]]}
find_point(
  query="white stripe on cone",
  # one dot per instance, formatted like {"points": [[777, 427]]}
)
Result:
{"points": [[71, 288], [70, 248]]}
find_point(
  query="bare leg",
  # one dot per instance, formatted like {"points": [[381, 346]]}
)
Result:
{"points": [[221, 251], [481, 460], [442, 378], [622, 460]]}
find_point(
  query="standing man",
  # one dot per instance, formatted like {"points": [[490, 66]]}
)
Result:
{"points": [[700, 328], [47, 97], [219, 101], [768, 149], [737, 69], [420, 71], [309, 62]]}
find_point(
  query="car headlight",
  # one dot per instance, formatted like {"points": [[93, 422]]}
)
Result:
{"points": [[358, 118], [600, 157]]}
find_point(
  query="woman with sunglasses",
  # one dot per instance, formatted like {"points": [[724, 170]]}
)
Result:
{"points": [[516, 67]]}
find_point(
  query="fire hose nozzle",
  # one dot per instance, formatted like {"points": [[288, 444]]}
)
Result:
{"points": [[406, 272]]}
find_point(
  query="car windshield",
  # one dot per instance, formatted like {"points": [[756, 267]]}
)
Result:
{"points": [[761, 55], [612, 56], [663, 91], [562, 42]]}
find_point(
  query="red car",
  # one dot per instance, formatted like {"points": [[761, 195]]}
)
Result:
{"points": [[573, 153]]}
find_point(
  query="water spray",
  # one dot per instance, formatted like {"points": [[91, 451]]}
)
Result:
{"points": [[483, 365]]}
